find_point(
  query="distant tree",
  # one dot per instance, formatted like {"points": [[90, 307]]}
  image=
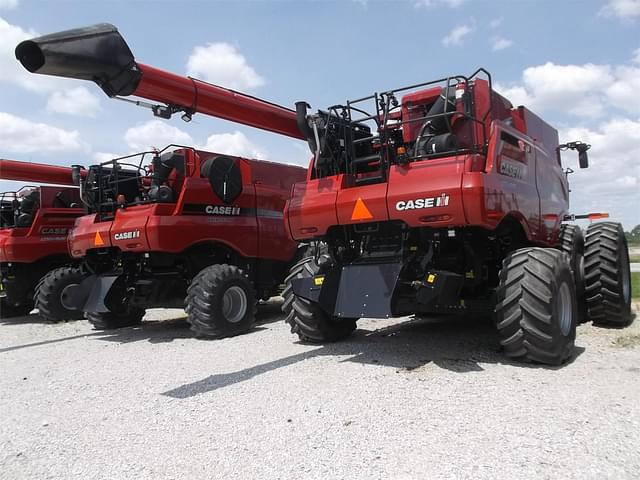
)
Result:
{"points": [[634, 235]]}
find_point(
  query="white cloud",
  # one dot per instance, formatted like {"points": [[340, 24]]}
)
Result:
{"points": [[456, 36], [76, 101], [624, 9], [101, 157], [636, 56], [235, 143], [222, 64], [581, 90], [496, 22], [8, 4], [500, 43], [435, 3], [155, 134], [19, 135], [612, 182]]}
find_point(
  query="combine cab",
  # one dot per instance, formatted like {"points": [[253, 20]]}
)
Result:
{"points": [[443, 198], [34, 224]]}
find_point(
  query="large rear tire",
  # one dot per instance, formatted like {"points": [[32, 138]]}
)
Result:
{"points": [[111, 321], [607, 275], [8, 310], [308, 320], [221, 302], [50, 294], [571, 242], [536, 313]]}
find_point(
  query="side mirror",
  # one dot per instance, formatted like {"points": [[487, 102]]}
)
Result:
{"points": [[582, 148], [583, 159]]}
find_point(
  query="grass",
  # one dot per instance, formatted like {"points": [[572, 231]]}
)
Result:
{"points": [[635, 284], [634, 258]]}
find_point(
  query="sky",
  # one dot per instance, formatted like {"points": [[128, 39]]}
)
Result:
{"points": [[574, 62]]}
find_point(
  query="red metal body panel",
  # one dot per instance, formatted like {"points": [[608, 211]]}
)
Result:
{"points": [[83, 236], [520, 179], [311, 210], [47, 234], [257, 232]]}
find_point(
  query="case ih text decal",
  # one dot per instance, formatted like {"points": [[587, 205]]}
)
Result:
{"points": [[127, 235], [432, 202]]}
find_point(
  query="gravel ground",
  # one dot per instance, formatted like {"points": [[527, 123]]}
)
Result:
{"points": [[399, 400]]}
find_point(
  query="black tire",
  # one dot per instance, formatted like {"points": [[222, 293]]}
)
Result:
{"points": [[308, 320], [571, 242], [51, 290], [111, 321], [9, 311], [607, 275], [536, 313], [221, 302]]}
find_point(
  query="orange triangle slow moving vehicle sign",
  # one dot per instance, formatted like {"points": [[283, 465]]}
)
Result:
{"points": [[360, 211], [97, 241]]}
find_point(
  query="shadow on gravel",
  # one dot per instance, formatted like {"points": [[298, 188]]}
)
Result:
{"points": [[456, 344], [165, 331], [33, 318]]}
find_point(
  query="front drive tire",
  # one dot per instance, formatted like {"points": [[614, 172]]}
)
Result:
{"points": [[50, 292], [307, 319], [536, 311], [607, 275], [111, 321], [221, 302]]}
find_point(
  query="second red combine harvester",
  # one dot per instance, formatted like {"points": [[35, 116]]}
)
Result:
{"points": [[179, 227], [34, 224]]}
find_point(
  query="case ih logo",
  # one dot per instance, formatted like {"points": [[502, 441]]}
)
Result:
{"points": [[432, 202], [54, 230], [219, 210], [127, 235]]}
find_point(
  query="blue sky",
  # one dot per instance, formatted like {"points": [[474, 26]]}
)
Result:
{"points": [[576, 63]]}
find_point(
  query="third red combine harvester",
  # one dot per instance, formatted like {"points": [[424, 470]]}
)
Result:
{"points": [[34, 223], [180, 226]]}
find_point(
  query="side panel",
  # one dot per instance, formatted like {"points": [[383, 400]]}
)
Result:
{"points": [[554, 193], [128, 231], [510, 183], [273, 241], [201, 216], [427, 193], [311, 210], [88, 234], [362, 204]]}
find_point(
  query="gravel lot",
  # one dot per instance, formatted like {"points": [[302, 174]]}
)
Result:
{"points": [[399, 400]]}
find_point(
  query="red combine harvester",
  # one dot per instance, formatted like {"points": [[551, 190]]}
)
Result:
{"points": [[34, 223], [190, 228], [442, 197]]}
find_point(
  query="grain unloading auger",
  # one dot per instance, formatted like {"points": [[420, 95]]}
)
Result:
{"points": [[191, 228], [100, 54], [34, 226]]}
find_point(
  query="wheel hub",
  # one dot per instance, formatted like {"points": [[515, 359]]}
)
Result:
{"points": [[565, 313], [234, 304]]}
